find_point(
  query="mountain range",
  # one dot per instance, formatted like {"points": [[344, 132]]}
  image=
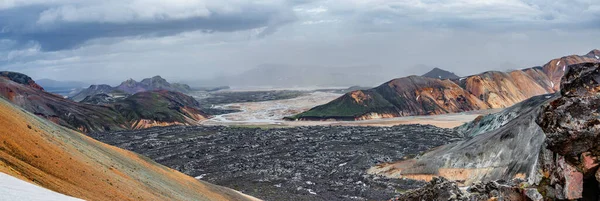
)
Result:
{"points": [[419, 95], [130, 87], [142, 110]]}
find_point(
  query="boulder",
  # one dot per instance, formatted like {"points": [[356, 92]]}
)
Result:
{"points": [[438, 189], [572, 127], [442, 189], [572, 123]]}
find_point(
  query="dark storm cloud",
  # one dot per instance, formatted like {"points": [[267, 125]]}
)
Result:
{"points": [[21, 24]]}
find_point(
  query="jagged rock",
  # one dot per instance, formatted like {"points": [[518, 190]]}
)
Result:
{"points": [[438, 189], [533, 194], [589, 163], [572, 127], [442, 189], [573, 180], [572, 123]]}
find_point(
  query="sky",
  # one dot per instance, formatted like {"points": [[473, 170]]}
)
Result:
{"points": [[107, 41]]}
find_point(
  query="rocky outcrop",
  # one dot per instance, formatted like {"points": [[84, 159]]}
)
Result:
{"points": [[442, 189], [158, 107], [440, 74], [37, 151], [572, 127], [572, 122], [417, 95]]}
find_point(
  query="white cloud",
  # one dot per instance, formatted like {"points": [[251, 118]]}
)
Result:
{"points": [[124, 11], [7, 4]]}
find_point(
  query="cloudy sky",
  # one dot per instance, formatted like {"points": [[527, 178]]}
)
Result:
{"points": [[112, 40]]}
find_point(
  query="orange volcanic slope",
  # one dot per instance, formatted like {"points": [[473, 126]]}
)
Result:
{"points": [[36, 150], [418, 95]]}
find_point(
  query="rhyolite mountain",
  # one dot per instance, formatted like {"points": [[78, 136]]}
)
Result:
{"points": [[440, 74], [142, 110], [548, 145], [418, 95], [130, 87], [40, 152]]}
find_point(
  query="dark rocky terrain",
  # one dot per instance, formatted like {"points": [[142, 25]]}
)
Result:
{"points": [[440, 74], [420, 95], [302, 163]]}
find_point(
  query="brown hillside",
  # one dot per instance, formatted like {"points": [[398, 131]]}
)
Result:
{"points": [[38, 151]]}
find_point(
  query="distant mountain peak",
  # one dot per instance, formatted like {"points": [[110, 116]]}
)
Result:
{"points": [[129, 82], [440, 74], [595, 53], [131, 86]]}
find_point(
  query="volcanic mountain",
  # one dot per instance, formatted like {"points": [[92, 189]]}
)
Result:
{"points": [[130, 87], [42, 153], [418, 95], [440, 74], [145, 109]]}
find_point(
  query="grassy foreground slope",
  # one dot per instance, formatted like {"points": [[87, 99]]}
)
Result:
{"points": [[40, 152]]}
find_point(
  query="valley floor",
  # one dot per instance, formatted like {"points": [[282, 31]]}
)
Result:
{"points": [[298, 163], [271, 114]]}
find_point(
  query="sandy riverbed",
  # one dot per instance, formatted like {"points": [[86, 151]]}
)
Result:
{"points": [[271, 113]]}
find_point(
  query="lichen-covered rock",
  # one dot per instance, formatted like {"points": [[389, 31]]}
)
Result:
{"points": [[572, 122], [573, 180], [572, 127], [533, 194]]}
